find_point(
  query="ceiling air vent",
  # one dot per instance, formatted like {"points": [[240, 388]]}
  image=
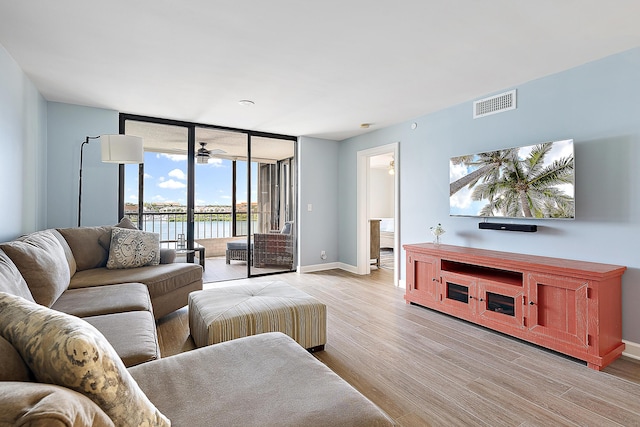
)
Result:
{"points": [[494, 104]]}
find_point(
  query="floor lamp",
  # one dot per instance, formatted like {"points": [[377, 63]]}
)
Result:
{"points": [[115, 149]]}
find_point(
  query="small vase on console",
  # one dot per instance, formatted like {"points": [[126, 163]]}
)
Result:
{"points": [[437, 231]]}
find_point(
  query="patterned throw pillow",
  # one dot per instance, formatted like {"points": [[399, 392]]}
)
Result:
{"points": [[133, 248], [65, 350]]}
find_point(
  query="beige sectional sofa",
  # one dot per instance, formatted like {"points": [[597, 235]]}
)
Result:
{"points": [[169, 283], [79, 348], [65, 269]]}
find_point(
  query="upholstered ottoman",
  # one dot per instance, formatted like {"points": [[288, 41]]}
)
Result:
{"points": [[226, 313]]}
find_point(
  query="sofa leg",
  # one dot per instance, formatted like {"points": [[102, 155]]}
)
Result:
{"points": [[316, 348]]}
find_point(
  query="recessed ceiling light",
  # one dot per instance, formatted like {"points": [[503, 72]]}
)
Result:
{"points": [[365, 125], [246, 102]]}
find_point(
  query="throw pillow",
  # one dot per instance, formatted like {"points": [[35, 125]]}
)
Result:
{"points": [[286, 229], [65, 350], [84, 244], [133, 248], [125, 222], [35, 404], [41, 260], [105, 239]]}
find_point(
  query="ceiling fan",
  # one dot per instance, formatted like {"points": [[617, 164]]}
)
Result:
{"points": [[203, 155]]}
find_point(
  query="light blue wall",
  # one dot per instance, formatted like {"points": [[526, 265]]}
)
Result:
{"points": [[318, 186], [68, 125], [23, 149], [597, 104], [347, 196]]}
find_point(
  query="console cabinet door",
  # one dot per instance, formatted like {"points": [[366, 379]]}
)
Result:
{"points": [[558, 310], [500, 304], [458, 294], [422, 279]]}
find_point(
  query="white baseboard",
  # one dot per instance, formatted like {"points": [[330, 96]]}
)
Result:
{"points": [[318, 267], [350, 268], [327, 266], [632, 350]]}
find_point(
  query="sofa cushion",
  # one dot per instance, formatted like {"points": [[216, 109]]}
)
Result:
{"points": [[68, 253], [169, 284], [12, 367], [99, 300], [64, 350], [11, 281], [160, 279], [238, 245], [133, 248], [132, 334], [85, 245], [261, 380], [41, 260], [40, 405]]}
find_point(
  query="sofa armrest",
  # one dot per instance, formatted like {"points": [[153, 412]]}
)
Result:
{"points": [[167, 255]]}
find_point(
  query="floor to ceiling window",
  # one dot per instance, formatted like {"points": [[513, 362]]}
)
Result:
{"points": [[229, 191]]}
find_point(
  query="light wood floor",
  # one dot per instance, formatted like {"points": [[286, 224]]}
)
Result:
{"points": [[425, 368], [216, 269]]}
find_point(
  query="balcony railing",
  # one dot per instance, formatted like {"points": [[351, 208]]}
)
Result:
{"points": [[207, 225]]}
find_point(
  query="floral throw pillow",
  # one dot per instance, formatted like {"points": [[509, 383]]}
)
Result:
{"points": [[64, 350], [133, 248]]}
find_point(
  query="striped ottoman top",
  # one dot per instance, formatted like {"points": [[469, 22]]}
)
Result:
{"points": [[226, 313]]}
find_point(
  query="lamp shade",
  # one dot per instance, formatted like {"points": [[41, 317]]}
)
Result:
{"points": [[121, 149]]}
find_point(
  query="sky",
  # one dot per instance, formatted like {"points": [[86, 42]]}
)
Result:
{"points": [[165, 180], [461, 203]]}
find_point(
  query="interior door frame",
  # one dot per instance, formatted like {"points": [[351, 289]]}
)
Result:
{"points": [[362, 211]]}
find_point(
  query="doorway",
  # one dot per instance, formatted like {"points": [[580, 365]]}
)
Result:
{"points": [[378, 185]]}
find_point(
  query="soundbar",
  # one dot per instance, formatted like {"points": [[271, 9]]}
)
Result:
{"points": [[508, 227]]}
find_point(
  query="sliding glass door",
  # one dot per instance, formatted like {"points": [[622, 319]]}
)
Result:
{"points": [[215, 189], [273, 205]]}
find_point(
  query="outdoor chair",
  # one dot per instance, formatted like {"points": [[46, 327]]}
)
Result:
{"points": [[274, 249]]}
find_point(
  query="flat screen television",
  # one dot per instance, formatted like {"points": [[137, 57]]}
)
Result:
{"points": [[535, 181]]}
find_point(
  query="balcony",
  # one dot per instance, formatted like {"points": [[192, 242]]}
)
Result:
{"points": [[211, 229]]}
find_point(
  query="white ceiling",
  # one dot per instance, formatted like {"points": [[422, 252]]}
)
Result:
{"points": [[312, 68]]}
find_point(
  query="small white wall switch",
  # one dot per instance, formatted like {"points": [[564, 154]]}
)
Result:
{"points": [[309, 207]]}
